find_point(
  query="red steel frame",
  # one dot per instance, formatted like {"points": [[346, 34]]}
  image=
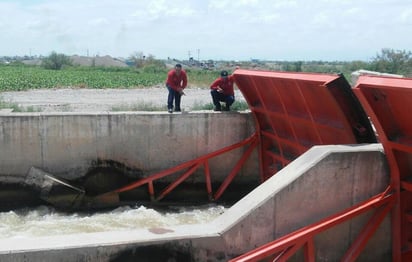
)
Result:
{"points": [[190, 167], [388, 102], [293, 112], [284, 247]]}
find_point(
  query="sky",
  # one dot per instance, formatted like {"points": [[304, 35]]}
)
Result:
{"points": [[277, 30]]}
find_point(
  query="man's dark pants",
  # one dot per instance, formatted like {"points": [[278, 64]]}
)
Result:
{"points": [[173, 95], [220, 97]]}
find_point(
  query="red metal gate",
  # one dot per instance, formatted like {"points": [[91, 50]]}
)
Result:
{"points": [[388, 102], [295, 111]]}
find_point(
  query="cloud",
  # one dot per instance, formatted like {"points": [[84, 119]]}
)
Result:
{"points": [[99, 22], [266, 29], [406, 16]]}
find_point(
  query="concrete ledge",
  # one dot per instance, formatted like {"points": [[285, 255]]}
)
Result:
{"points": [[323, 181]]}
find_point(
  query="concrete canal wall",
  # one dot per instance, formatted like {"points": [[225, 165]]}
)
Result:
{"points": [[323, 181], [69, 145]]}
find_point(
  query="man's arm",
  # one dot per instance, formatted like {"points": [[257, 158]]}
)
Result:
{"points": [[216, 85], [184, 79]]}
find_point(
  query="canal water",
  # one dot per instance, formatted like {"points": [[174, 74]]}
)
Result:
{"points": [[46, 221]]}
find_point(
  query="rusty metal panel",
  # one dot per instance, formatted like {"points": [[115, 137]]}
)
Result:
{"points": [[294, 111], [388, 101]]}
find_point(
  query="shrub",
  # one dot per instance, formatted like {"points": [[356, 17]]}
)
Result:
{"points": [[56, 61]]}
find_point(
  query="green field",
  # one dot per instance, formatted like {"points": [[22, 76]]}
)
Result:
{"points": [[17, 76], [21, 77]]}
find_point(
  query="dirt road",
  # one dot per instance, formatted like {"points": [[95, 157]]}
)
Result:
{"points": [[91, 100]]}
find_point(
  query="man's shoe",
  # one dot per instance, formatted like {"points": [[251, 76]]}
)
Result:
{"points": [[217, 108], [227, 108], [170, 110], [178, 110]]}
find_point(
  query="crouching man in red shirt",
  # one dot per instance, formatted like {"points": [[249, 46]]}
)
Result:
{"points": [[176, 81], [222, 91]]}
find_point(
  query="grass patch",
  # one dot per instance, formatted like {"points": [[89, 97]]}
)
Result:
{"points": [[236, 106], [202, 106], [240, 106], [197, 106], [29, 109], [15, 107], [144, 106]]}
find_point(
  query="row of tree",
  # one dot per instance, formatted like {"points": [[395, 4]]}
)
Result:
{"points": [[391, 61], [387, 61]]}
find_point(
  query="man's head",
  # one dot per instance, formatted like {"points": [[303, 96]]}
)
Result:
{"points": [[224, 73], [178, 68]]}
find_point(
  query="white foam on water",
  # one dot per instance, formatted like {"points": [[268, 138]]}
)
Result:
{"points": [[46, 221]]}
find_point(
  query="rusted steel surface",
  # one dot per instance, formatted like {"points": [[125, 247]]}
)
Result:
{"points": [[388, 101], [295, 111]]}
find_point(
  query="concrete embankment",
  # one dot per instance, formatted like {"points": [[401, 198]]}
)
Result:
{"points": [[72, 146], [320, 183]]}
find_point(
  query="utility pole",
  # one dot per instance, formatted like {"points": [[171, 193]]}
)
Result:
{"points": [[189, 55], [198, 55]]}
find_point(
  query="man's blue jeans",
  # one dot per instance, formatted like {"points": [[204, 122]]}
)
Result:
{"points": [[173, 95]]}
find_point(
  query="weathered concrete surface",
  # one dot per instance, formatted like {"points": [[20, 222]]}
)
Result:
{"points": [[68, 144], [320, 183], [76, 147]]}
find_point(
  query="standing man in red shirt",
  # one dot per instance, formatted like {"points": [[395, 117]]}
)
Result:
{"points": [[222, 91], [176, 81]]}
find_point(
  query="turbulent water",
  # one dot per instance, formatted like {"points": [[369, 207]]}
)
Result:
{"points": [[45, 221]]}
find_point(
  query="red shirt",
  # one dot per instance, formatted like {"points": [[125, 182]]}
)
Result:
{"points": [[176, 81], [226, 83]]}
